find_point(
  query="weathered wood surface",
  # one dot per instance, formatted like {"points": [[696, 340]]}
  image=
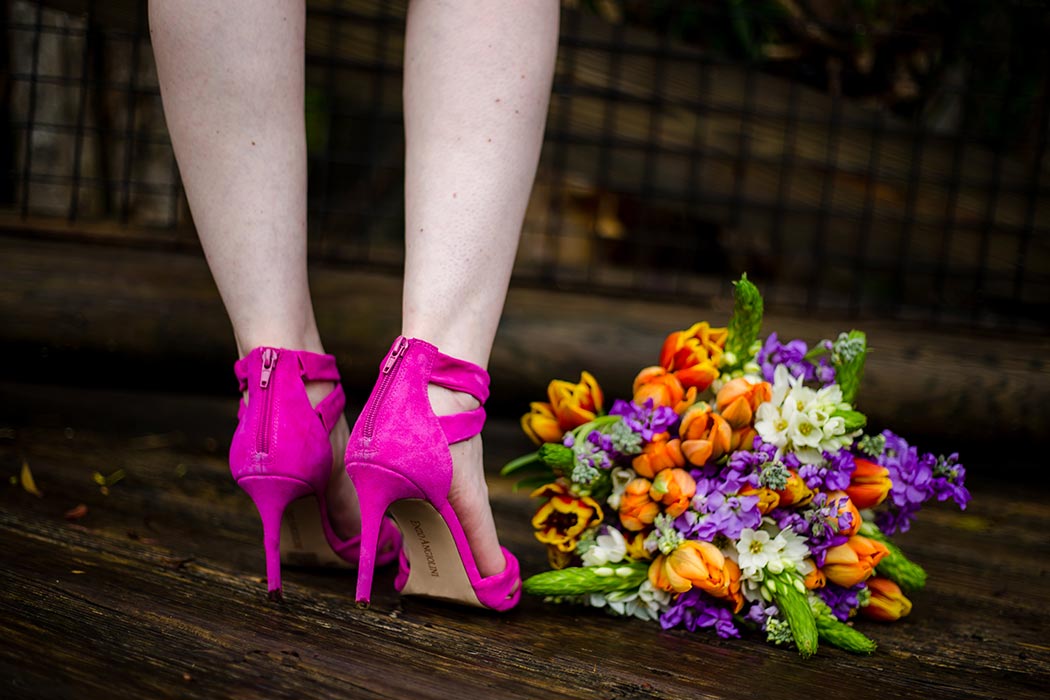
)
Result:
{"points": [[157, 591], [153, 318]]}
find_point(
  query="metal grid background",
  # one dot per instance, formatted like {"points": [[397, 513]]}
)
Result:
{"points": [[667, 171]]}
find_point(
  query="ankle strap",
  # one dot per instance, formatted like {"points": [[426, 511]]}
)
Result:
{"points": [[313, 367], [467, 377]]}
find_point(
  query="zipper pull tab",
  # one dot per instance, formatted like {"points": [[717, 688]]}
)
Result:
{"points": [[269, 361], [400, 345]]}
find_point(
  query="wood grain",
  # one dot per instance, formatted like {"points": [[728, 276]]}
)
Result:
{"points": [[157, 591], [149, 318]]}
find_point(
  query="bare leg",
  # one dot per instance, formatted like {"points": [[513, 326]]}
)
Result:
{"points": [[477, 85], [232, 81]]}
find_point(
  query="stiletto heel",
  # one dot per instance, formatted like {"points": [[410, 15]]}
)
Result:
{"points": [[399, 460], [271, 495], [384, 488], [282, 452]]}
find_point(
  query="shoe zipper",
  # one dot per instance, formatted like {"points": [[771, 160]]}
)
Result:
{"points": [[269, 362], [386, 377]]}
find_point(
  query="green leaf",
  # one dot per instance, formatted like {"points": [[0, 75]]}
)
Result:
{"points": [[530, 483], [855, 420], [529, 462]]}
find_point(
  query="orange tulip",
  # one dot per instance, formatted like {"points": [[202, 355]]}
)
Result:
{"points": [[562, 519], [663, 389], [575, 404], [705, 435], [541, 425], [814, 579], [850, 563], [743, 439], [888, 602], [693, 355], [698, 564], [662, 453], [796, 493], [738, 400], [842, 504], [674, 488], [768, 499], [869, 484], [637, 509]]}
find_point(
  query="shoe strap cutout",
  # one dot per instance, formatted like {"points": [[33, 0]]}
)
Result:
{"points": [[313, 367], [466, 377]]}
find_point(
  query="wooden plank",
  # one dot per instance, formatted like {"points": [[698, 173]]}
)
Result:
{"points": [[102, 314], [176, 611]]}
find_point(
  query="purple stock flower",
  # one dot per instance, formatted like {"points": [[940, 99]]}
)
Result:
{"points": [[645, 420], [695, 609], [716, 509], [841, 600], [759, 613], [948, 480], [833, 474], [749, 464], [916, 479], [792, 355], [819, 522]]}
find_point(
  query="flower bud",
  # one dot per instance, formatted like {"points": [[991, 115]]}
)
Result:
{"points": [[869, 484], [768, 499], [674, 488], [843, 505], [738, 400], [887, 602], [853, 562], [705, 435], [575, 404], [637, 509], [540, 424], [694, 354], [698, 564], [663, 388], [796, 493], [659, 454]]}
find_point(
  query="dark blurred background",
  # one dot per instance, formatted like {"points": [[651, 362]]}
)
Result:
{"points": [[868, 163]]}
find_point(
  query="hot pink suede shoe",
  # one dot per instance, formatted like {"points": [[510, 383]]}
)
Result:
{"points": [[281, 452], [398, 458]]}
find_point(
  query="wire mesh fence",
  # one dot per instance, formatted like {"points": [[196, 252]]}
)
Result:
{"points": [[879, 166]]}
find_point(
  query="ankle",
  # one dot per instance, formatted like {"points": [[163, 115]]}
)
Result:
{"points": [[447, 402]]}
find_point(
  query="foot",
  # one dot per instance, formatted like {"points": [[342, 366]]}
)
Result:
{"points": [[469, 494], [343, 511]]}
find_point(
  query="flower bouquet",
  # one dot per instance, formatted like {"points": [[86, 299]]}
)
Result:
{"points": [[737, 489]]}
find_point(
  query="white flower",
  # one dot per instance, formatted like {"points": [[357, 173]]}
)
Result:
{"points": [[755, 549], [620, 478], [791, 553], [801, 420], [608, 548], [758, 552], [645, 602]]}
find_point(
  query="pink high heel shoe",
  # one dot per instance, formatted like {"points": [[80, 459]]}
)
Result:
{"points": [[398, 458], [281, 452]]}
